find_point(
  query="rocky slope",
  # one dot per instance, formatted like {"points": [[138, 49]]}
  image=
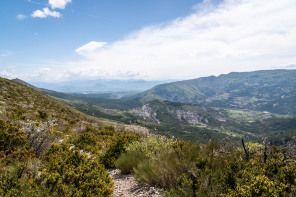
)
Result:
{"points": [[178, 113]]}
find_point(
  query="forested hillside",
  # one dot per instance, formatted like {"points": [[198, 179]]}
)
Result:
{"points": [[270, 90], [199, 124]]}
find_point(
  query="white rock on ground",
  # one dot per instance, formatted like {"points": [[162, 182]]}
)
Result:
{"points": [[127, 186]]}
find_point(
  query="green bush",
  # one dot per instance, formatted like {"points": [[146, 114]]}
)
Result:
{"points": [[152, 146], [158, 161], [42, 114], [117, 147], [162, 171], [69, 173], [11, 138], [18, 167], [85, 141], [16, 181], [128, 161]]}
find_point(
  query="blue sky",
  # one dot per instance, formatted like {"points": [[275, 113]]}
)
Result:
{"points": [[55, 40]]}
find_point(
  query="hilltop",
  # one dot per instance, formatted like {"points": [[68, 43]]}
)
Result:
{"points": [[271, 90]]}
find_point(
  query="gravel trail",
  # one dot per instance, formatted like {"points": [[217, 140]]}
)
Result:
{"points": [[127, 186]]}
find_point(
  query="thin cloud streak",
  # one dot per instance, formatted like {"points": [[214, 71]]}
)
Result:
{"points": [[20, 17], [90, 48]]}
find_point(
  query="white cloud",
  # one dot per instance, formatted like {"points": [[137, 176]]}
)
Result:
{"points": [[45, 13], [240, 35], [61, 4], [7, 75], [34, 2], [90, 48], [20, 17], [43, 74], [232, 36]]}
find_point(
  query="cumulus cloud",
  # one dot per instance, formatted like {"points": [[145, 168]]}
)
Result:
{"points": [[20, 17], [232, 36], [90, 48], [61, 4], [45, 13]]}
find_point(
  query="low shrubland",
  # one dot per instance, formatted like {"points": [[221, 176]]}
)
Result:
{"points": [[74, 167], [77, 166], [188, 169]]}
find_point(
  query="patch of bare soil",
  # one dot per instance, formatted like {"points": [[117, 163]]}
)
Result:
{"points": [[127, 186]]}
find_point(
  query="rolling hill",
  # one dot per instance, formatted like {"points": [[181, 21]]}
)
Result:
{"points": [[270, 90], [48, 148], [185, 120]]}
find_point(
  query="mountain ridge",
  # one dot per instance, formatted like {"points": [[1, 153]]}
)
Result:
{"points": [[266, 90]]}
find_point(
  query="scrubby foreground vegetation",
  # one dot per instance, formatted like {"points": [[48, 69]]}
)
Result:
{"points": [[77, 166], [187, 169], [62, 170], [50, 149]]}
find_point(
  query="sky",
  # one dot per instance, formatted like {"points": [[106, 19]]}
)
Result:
{"points": [[64, 40]]}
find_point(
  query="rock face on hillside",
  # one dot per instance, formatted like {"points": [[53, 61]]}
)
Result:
{"points": [[146, 113], [167, 112], [190, 117]]}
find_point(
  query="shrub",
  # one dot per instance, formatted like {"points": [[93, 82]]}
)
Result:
{"points": [[259, 186], [152, 146], [128, 161], [42, 114], [11, 138], [68, 173], [158, 161], [117, 147], [85, 141]]}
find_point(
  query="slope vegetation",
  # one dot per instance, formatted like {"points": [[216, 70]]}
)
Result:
{"points": [[50, 149], [197, 123], [270, 90]]}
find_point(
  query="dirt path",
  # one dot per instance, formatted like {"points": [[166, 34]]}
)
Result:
{"points": [[127, 186]]}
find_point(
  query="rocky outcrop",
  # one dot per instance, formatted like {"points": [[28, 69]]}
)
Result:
{"points": [[189, 116], [146, 113]]}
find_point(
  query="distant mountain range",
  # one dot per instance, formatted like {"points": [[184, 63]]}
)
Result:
{"points": [[271, 90], [101, 86]]}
